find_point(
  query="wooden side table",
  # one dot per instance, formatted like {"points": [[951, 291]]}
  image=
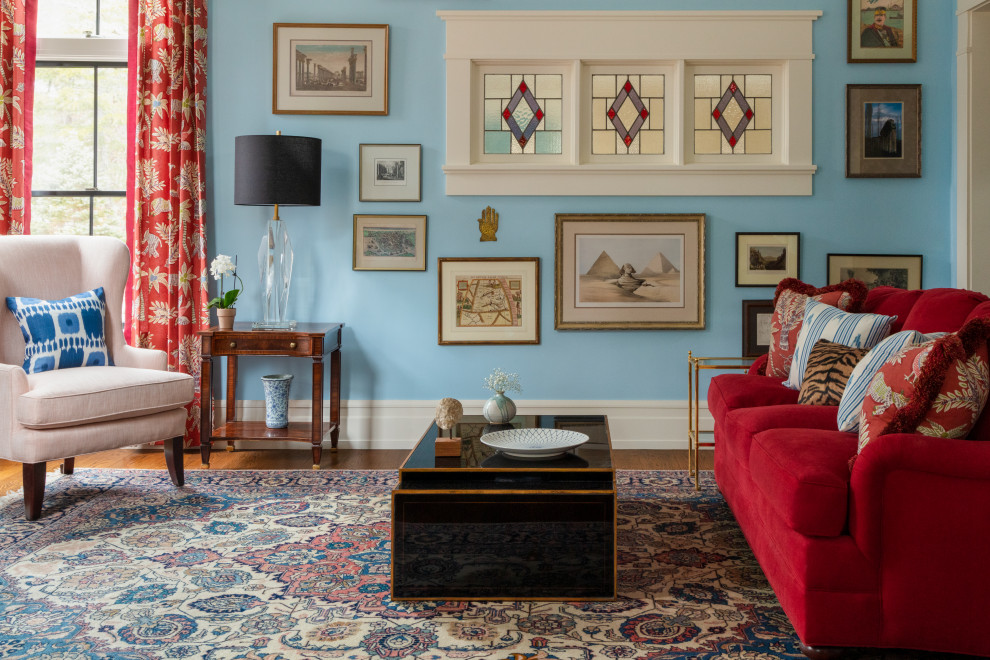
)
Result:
{"points": [[695, 365], [306, 340]]}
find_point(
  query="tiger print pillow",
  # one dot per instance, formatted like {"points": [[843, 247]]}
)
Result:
{"points": [[828, 371]]}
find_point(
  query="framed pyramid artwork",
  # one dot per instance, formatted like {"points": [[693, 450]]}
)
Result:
{"points": [[629, 271]]}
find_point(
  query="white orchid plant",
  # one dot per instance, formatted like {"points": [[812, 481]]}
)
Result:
{"points": [[501, 382], [223, 265]]}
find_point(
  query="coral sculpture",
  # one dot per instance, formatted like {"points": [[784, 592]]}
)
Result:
{"points": [[449, 412]]}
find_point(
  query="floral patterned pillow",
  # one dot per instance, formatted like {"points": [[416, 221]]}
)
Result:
{"points": [[938, 388], [788, 315]]}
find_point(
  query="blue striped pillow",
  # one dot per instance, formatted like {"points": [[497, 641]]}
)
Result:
{"points": [[827, 322], [59, 334], [867, 368]]}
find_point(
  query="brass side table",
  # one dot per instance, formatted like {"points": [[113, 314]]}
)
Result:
{"points": [[695, 365]]}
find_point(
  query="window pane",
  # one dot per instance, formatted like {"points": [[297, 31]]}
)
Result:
{"points": [[111, 156], [113, 18], [66, 18], [63, 129], [60, 215], [109, 217]]}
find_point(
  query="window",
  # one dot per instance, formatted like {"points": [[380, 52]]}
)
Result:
{"points": [[80, 119]]}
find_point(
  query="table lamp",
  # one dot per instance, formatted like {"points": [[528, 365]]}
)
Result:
{"points": [[273, 170]]}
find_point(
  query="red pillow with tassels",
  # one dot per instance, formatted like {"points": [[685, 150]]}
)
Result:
{"points": [[788, 315], [938, 388]]}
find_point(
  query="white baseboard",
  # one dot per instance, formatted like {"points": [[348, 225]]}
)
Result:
{"points": [[398, 424]]}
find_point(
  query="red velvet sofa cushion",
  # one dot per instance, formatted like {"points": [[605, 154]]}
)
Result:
{"points": [[744, 423], [892, 301], [942, 310], [804, 475]]}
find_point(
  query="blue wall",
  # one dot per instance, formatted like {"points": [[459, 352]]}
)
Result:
{"points": [[390, 341]]}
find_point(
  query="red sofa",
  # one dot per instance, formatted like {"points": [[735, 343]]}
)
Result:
{"points": [[891, 553]]}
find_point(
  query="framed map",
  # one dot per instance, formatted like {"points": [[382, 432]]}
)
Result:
{"points": [[488, 300], [389, 242]]}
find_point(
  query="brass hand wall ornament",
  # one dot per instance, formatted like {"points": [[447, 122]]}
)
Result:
{"points": [[488, 224]]}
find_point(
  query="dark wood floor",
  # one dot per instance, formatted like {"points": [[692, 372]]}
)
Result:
{"points": [[152, 458]]}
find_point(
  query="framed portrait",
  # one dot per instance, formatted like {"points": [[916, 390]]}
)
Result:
{"points": [[882, 31], [488, 300], [390, 173], [389, 242], [756, 317], [883, 131], [899, 270], [329, 69], [765, 258], [629, 272]]}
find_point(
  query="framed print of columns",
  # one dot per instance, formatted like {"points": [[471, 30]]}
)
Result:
{"points": [[523, 113]]}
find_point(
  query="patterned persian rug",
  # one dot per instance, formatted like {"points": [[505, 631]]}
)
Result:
{"points": [[283, 565]]}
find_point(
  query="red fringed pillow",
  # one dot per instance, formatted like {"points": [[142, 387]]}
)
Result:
{"points": [[788, 314], [938, 388]]}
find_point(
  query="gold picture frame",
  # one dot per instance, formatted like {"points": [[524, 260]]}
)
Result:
{"points": [[881, 31], [488, 300], [329, 69], [389, 242], [629, 271]]}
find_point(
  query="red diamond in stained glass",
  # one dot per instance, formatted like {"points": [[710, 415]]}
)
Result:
{"points": [[732, 141], [539, 114], [522, 142], [522, 87], [611, 113], [732, 87], [627, 87], [749, 114], [716, 114], [506, 113], [628, 140], [644, 113]]}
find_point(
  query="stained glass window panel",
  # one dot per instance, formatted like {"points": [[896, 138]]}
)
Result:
{"points": [[627, 114], [523, 113], [732, 114]]}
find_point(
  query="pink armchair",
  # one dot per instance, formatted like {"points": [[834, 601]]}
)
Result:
{"points": [[60, 414]]}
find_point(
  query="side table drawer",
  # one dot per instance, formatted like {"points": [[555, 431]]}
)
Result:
{"points": [[263, 344]]}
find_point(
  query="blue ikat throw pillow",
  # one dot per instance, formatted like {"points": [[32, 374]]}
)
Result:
{"points": [[60, 334]]}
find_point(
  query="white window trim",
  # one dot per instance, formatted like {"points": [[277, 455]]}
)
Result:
{"points": [[681, 38]]}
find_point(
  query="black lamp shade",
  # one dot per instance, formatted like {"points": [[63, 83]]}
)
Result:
{"points": [[277, 169]]}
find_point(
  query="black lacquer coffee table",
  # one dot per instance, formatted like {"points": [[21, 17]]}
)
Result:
{"points": [[483, 526]]}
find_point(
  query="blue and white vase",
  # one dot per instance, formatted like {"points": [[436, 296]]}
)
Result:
{"points": [[277, 400], [499, 409]]}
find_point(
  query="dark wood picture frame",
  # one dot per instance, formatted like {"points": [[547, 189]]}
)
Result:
{"points": [[747, 242], [891, 111], [876, 269], [756, 315], [895, 42]]}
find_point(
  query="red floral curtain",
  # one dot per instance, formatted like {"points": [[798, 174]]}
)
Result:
{"points": [[17, 50], [167, 196]]}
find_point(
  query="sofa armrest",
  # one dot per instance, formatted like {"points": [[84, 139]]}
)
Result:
{"points": [[931, 489], [13, 383], [141, 358], [759, 366]]}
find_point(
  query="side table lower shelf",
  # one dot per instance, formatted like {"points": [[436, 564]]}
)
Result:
{"points": [[296, 432]]}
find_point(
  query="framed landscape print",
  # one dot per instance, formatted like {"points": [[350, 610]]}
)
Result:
{"points": [[389, 242], [883, 131], [899, 270], [756, 317], [765, 258], [390, 173], [329, 69], [629, 272], [489, 300], [882, 31]]}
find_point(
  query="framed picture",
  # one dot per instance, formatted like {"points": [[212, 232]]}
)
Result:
{"points": [[329, 69], [882, 31], [756, 317], [629, 272], [900, 270], [390, 173], [489, 300], [389, 242], [883, 131], [765, 258]]}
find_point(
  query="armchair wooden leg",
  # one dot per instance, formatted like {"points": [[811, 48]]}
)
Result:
{"points": [[173, 460], [68, 465], [34, 489]]}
